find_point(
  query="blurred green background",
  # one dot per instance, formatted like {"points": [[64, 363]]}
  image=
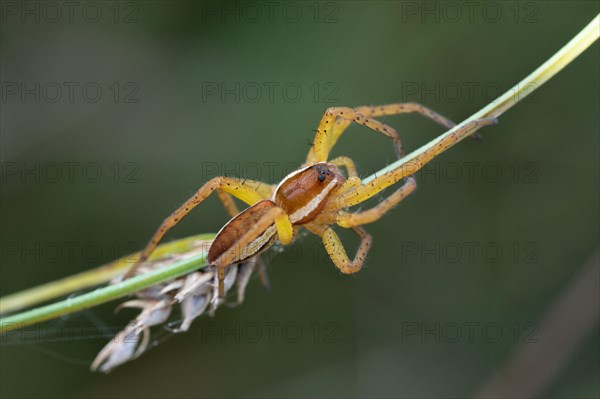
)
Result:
{"points": [[190, 90]]}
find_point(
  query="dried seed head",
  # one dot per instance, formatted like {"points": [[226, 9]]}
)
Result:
{"points": [[126, 345], [195, 292]]}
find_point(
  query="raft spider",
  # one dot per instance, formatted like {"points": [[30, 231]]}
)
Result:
{"points": [[314, 197]]}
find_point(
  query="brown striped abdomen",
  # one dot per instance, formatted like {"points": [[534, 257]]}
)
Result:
{"points": [[236, 227]]}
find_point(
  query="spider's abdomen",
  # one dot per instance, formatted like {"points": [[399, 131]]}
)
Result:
{"points": [[304, 193], [230, 234]]}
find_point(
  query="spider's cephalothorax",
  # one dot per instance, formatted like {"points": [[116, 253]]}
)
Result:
{"points": [[315, 197], [301, 195], [304, 193]]}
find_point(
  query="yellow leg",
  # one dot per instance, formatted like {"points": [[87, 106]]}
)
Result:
{"points": [[337, 253], [326, 133], [393, 109], [346, 163], [243, 190], [228, 203], [340, 125], [404, 108], [352, 183], [364, 192], [348, 219], [264, 190]]}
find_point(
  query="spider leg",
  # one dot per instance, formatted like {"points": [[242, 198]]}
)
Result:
{"points": [[241, 189], [347, 163], [405, 108], [245, 272], [337, 253], [263, 276], [323, 146], [265, 190], [373, 187], [327, 133], [349, 219]]}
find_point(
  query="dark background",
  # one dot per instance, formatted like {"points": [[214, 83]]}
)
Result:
{"points": [[399, 328]]}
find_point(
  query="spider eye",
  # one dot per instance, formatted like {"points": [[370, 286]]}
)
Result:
{"points": [[323, 172]]}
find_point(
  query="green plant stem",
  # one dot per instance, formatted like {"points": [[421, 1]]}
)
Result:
{"points": [[89, 278], [105, 294], [57, 288], [416, 158]]}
